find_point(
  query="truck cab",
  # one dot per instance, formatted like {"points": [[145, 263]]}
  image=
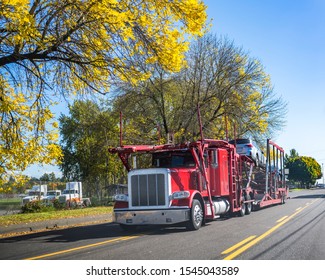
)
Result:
{"points": [[51, 196], [72, 195], [185, 184], [36, 193]]}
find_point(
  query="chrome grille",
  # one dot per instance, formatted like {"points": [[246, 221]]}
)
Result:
{"points": [[148, 190]]}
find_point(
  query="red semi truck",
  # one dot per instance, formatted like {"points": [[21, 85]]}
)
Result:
{"points": [[193, 183]]}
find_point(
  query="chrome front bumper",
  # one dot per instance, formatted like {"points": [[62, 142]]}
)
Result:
{"points": [[152, 217]]}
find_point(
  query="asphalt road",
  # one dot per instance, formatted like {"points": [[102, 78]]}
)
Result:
{"points": [[293, 231]]}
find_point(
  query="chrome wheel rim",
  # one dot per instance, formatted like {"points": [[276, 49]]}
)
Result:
{"points": [[197, 214]]}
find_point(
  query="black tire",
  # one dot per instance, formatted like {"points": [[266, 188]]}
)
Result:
{"points": [[283, 199], [242, 210], [248, 206], [86, 203], [196, 219]]}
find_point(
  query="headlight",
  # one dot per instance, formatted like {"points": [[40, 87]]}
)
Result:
{"points": [[121, 197], [180, 195]]}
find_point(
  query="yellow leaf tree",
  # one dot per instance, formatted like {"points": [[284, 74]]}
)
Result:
{"points": [[77, 47]]}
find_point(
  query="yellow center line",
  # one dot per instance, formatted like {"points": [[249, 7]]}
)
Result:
{"points": [[283, 218], [84, 247], [271, 230], [238, 245]]}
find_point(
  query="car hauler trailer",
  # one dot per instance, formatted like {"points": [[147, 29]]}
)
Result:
{"points": [[269, 184], [196, 182]]}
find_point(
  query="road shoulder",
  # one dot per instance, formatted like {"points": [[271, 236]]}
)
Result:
{"points": [[55, 224]]}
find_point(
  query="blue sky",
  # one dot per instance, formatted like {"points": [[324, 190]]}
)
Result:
{"points": [[288, 37]]}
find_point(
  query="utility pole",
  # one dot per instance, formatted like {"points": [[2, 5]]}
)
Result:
{"points": [[323, 175]]}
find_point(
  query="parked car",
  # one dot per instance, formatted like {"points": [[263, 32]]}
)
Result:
{"points": [[248, 148]]}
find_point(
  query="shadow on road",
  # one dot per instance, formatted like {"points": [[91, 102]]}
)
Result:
{"points": [[90, 232], [98, 231], [309, 196], [74, 234]]}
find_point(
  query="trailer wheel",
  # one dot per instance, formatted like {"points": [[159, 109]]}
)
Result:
{"points": [[242, 209], [248, 206], [196, 219]]}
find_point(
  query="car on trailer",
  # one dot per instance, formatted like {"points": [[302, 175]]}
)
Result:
{"points": [[247, 147]]}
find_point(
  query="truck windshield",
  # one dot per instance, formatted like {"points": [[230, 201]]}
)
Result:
{"points": [[69, 191], [173, 159], [33, 193]]}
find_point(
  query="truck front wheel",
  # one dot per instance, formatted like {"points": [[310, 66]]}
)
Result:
{"points": [[196, 218]]}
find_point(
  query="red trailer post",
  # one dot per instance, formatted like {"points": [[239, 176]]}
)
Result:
{"points": [[271, 186]]}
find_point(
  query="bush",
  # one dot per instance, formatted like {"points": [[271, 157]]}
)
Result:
{"points": [[36, 206], [57, 205]]}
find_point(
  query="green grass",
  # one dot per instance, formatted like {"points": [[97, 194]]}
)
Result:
{"points": [[61, 214], [10, 203]]}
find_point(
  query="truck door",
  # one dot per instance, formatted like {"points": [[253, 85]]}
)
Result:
{"points": [[219, 172]]}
